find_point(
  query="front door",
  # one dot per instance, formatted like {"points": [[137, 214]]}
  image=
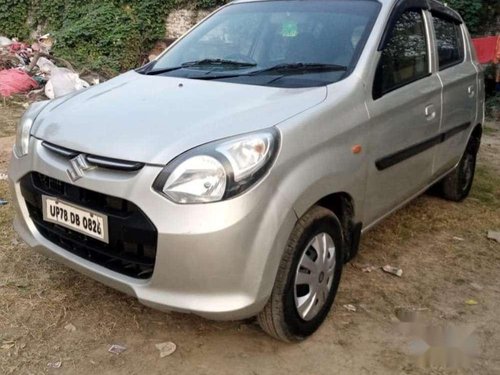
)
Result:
{"points": [[405, 110]]}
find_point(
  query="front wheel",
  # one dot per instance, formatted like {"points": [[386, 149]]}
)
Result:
{"points": [[308, 278]]}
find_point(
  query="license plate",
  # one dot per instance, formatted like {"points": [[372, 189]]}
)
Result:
{"points": [[76, 218]]}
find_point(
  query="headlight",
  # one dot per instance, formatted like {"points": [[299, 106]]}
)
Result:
{"points": [[24, 128], [218, 170], [196, 180], [23, 136]]}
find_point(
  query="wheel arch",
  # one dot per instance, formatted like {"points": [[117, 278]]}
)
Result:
{"points": [[342, 204]]}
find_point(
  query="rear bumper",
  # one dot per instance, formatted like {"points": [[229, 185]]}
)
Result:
{"points": [[216, 260]]}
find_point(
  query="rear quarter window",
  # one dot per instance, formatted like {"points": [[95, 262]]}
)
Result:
{"points": [[450, 43]]}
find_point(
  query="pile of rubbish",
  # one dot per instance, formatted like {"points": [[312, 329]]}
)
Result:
{"points": [[32, 70]]}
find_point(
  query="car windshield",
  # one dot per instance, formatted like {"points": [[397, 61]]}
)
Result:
{"points": [[275, 43]]}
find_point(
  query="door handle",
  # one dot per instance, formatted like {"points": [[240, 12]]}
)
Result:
{"points": [[470, 91], [430, 112]]}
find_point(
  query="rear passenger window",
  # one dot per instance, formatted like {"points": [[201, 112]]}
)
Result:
{"points": [[405, 57], [450, 44]]}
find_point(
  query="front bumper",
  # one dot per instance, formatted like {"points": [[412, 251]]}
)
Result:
{"points": [[216, 260]]}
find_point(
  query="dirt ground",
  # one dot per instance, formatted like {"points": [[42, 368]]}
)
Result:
{"points": [[441, 247]]}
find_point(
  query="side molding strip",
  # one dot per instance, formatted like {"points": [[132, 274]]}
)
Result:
{"points": [[398, 157]]}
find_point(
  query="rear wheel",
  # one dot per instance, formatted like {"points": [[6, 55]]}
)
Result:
{"points": [[308, 278], [456, 186]]}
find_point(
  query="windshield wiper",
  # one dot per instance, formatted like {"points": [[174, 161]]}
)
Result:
{"points": [[160, 71], [300, 68], [217, 62], [204, 62], [283, 69]]}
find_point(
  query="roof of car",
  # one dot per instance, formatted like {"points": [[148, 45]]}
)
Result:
{"points": [[253, 1]]}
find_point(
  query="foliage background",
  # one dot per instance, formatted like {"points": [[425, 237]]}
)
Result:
{"points": [[110, 36], [479, 15]]}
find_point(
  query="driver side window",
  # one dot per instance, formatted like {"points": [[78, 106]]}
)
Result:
{"points": [[405, 57]]}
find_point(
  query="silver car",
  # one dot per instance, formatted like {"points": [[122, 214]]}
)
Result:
{"points": [[234, 175]]}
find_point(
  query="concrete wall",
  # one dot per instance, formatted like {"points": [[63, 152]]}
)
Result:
{"points": [[181, 20], [177, 23]]}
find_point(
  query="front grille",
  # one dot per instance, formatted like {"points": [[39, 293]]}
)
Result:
{"points": [[132, 243], [98, 161]]}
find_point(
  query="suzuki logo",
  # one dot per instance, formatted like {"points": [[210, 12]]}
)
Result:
{"points": [[78, 167]]}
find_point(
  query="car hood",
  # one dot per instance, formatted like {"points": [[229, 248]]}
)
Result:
{"points": [[152, 119]]}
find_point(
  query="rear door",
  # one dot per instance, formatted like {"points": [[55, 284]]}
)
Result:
{"points": [[405, 110], [459, 78]]}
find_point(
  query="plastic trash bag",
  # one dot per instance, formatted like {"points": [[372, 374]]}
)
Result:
{"points": [[5, 42], [63, 81], [46, 66], [14, 81]]}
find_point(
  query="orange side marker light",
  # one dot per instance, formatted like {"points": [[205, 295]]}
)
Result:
{"points": [[356, 149]]}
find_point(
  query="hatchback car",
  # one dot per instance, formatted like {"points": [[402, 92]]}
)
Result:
{"points": [[234, 175]]}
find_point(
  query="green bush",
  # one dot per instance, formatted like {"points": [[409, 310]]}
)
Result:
{"points": [[13, 17], [108, 36], [208, 4], [104, 38], [479, 15]]}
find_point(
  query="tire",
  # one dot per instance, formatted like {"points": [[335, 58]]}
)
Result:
{"points": [[456, 185], [281, 317]]}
